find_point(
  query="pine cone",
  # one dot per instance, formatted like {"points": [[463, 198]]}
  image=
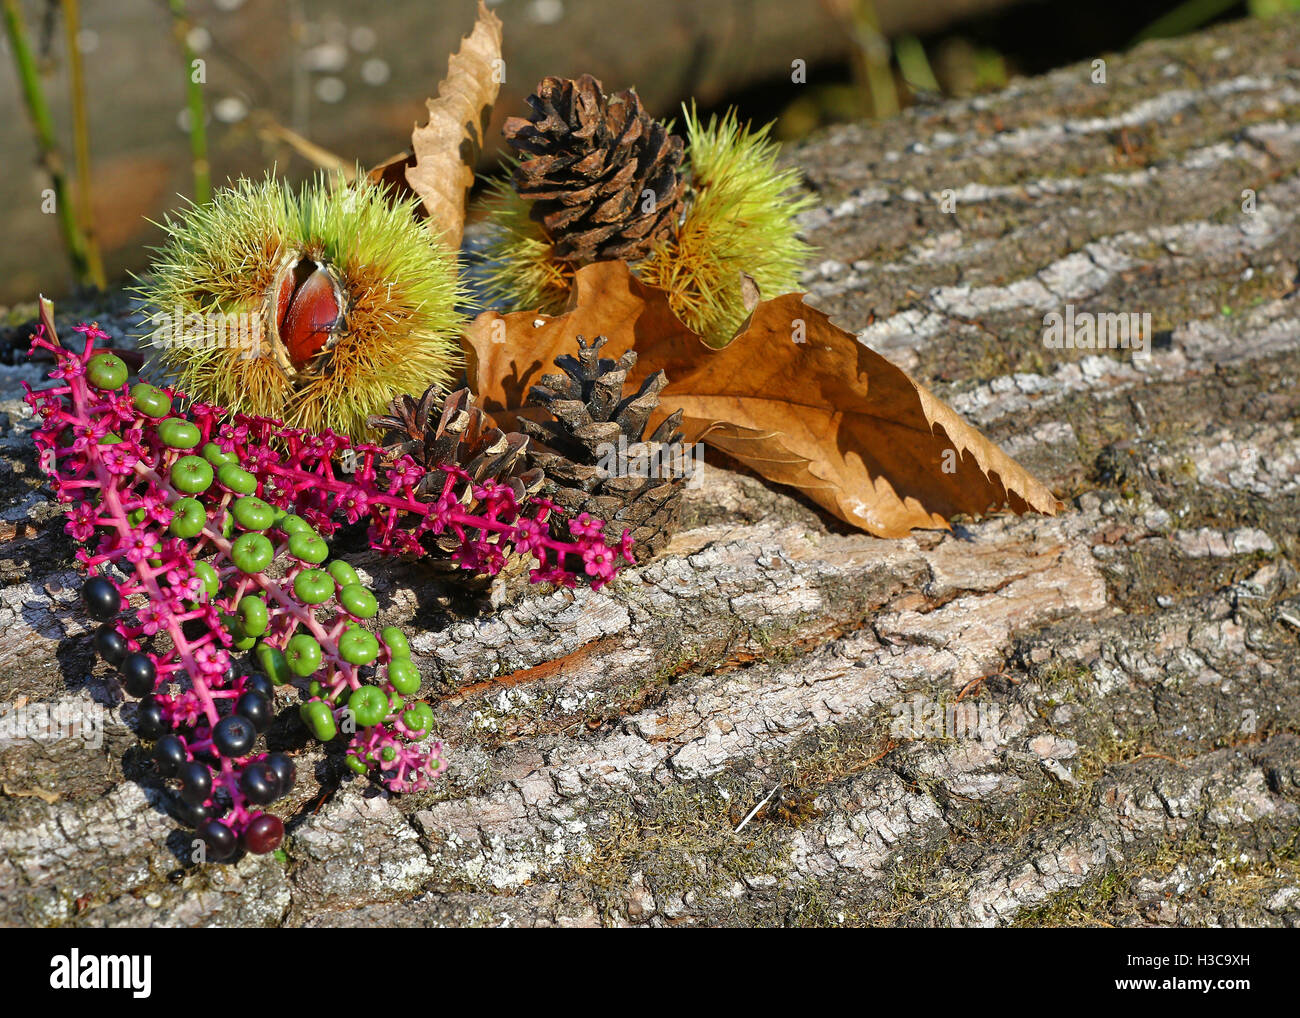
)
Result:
{"points": [[587, 162], [440, 429], [591, 415]]}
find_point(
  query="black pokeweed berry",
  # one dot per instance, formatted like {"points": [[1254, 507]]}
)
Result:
{"points": [[111, 645], [260, 784], [101, 599], [196, 782], [169, 755], [260, 684], [150, 721], [219, 838], [138, 674], [285, 771], [234, 736], [256, 708], [191, 814]]}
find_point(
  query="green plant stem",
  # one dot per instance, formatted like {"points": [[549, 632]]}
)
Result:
{"points": [[1186, 17], [914, 65], [43, 128], [198, 127], [81, 143], [873, 59]]}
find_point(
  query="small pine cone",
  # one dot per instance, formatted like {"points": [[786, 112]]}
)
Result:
{"points": [[441, 429], [593, 419], [587, 162]]}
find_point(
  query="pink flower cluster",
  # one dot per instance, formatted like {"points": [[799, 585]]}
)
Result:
{"points": [[178, 622]]}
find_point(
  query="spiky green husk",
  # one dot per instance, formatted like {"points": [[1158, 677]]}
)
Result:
{"points": [[521, 274], [401, 295], [742, 220]]}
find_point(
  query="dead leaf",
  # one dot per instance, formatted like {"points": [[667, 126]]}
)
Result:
{"points": [[506, 354], [801, 404], [441, 169], [392, 172], [887, 455]]}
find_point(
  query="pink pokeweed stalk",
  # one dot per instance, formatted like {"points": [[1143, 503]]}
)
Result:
{"points": [[208, 529]]}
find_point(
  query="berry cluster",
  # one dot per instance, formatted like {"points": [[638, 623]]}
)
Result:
{"points": [[206, 539]]}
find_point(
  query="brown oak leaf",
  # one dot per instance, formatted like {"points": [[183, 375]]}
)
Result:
{"points": [[439, 166], [793, 396]]}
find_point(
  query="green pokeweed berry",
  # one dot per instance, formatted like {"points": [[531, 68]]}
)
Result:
{"points": [[110, 439], [252, 513], [273, 662], [151, 400], [106, 371], [135, 517], [178, 433], [355, 764], [357, 600], [227, 526], [404, 676], [358, 647], [191, 474], [388, 754], [342, 572], [313, 586], [237, 479], [253, 615], [252, 553], [419, 718], [396, 704], [369, 706], [309, 547], [395, 640], [303, 654], [188, 518], [319, 719], [218, 456], [241, 640], [292, 524], [208, 575]]}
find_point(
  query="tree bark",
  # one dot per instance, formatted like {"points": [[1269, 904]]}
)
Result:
{"points": [[716, 739]]}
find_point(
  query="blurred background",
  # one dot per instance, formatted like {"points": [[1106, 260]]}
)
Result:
{"points": [[96, 95]]}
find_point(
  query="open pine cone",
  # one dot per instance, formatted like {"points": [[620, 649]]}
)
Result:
{"points": [[591, 415], [441, 429], [587, 162]]}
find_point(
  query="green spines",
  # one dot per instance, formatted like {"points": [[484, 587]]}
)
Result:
{"points": [[742, 219], [217, 269]]}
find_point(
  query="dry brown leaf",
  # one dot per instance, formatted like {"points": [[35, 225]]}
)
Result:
{"points": [[444, 151], [392, 171], [888, 455], [826, 414], [505, 354]]}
